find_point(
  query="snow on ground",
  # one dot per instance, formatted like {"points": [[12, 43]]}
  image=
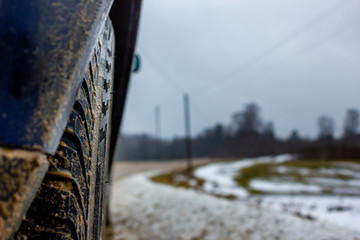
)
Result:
{"points": [[219, 177], [344, 212], [146, 210], [266, 186], [341, 210]]}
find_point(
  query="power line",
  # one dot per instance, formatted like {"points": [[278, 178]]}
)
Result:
{"points": [[265, 70], [165, 76], [273, 48], [307, 48]]}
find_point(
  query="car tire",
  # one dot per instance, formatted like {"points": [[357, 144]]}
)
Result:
{"points": [[70, 202]]}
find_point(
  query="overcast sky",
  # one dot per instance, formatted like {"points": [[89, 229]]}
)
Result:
{"points": [[297, 59]]}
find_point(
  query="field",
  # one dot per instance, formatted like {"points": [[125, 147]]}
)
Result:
{"points": [[308, 177], [310, 189]]}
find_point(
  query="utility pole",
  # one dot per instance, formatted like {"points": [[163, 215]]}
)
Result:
{"points": [[158, 131], [187, 131]]}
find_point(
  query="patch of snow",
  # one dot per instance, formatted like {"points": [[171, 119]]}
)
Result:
{"points": [[337, 171], [304, 171], [346, 190], [283, 187], [334, 182], [319, 207], [327, 181], [282, 158], [355, 183], [282, 170], [180, 178], [192, 182], [222, 175]]}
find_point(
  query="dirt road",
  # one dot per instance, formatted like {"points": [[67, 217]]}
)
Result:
{"points": [[124, 169]]}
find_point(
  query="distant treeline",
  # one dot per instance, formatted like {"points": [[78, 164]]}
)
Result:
{"points": [[248, 135]]}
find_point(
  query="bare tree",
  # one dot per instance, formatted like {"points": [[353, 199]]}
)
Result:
{"points": [[248, 121], [351, 123], [326, 127], [268, 130], [294, 135]]}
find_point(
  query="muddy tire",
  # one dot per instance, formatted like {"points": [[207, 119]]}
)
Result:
{"points": [[70, 202]]}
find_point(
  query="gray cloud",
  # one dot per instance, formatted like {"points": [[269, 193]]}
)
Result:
{"points": [[191, 46]]}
